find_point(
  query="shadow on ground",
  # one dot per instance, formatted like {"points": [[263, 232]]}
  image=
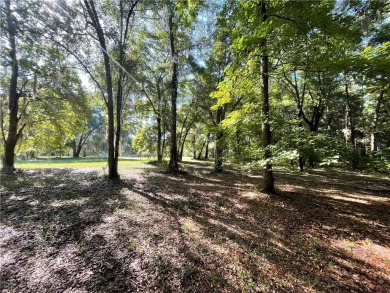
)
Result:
{"points": [[63, 231]]}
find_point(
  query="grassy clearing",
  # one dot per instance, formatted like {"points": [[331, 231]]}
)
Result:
{"points": [[78, 163]]}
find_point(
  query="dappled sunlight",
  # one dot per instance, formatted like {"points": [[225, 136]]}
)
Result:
{"points": [[189, 226], [70, 202], [186, 232], [254, 195], [7, 233], [344, 198], [367, 251], [18, 197], [351, 196]]}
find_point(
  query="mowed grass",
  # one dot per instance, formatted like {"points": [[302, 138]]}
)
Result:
{"points": [[78, 163]]}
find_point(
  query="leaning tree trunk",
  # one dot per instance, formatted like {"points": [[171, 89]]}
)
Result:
{"points": [[173, 160], [268, 178], [201, 151], [8, 160]]}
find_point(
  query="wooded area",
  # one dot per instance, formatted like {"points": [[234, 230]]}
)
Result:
{"points": [[241, 107]]}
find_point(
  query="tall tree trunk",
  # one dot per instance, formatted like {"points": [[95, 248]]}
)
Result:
{"points": [[173, 160], [119, 98], [8, 160], [194, 147], [268, 178], [218, 160], [163, 139], [373, 139], [206, 154], [159, 125], [112, 162], [349, 125], [159, 139]]}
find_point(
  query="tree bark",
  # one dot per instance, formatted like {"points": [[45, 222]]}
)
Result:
{"points": [[194, 147], [201, 151], [173, 165], [373, 139], [159, 139], [8, 160], [112, 161], [206, 154], [218, 160], [268, 178], [159, 126], [349, 121]]}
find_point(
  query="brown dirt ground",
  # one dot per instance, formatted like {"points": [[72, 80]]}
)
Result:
{"points": [[63, 230]]}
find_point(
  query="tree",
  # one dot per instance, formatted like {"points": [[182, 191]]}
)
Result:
{"points": [[173, 165], [95, 122], [114, 130], [14, 130], [268, 178]]}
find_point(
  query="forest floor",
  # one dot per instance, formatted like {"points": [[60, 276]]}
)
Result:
{"points": [[71, 230]]}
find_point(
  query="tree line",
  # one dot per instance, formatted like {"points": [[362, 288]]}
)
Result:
{"points": [[298, 83]]}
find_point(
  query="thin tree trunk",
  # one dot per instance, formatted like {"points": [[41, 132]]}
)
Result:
{"points": [[173, 160], [112, 162], [183, 137], [119, 98], [206, 155], [159, 139], [218, 160], [194, 146], [268, 178], [373, 139]]}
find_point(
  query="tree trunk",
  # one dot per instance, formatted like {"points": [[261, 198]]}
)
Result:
{"points": [[119, 98], [373, 140], [159, 139], [163, 139], [194, 147], [184, 136], [112, 161], [74, 148], [218, 160], [8, 160], [201, 151], [268, 178], [173, 160], [301, 163], [79, 147], [206, 155]]}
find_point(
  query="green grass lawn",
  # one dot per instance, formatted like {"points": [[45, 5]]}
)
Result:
{"points": [[88, 162]]}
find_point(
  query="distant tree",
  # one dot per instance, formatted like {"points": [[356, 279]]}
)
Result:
{"points": [[95, 122]]}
